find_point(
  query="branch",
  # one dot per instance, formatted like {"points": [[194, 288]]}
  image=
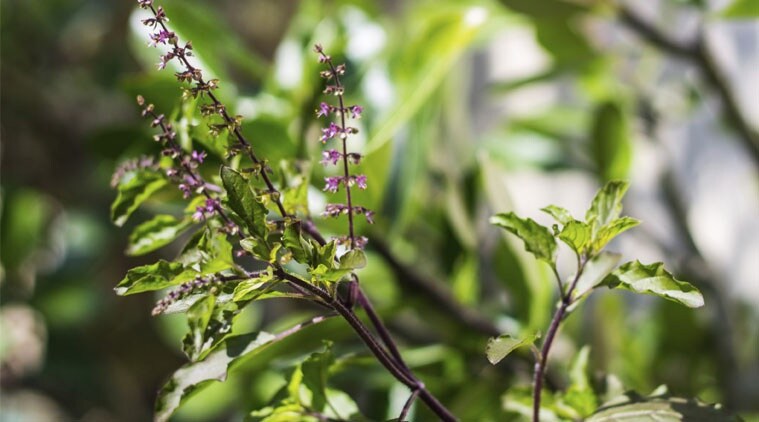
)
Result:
{"points": [[697, 52]]}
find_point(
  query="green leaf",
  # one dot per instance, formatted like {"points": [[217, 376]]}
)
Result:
{"points": [[315, 372], [134, 191], [594, 272], [146, 278], [559, 214], [577, 235], [207, 252], [353, 260], [323, 254], [537, 239], [580, 395], [741, 9], [611, 146], [500, 347], [155, 233], [607, 204], [198, 317], [611, 230], [327, 274], [251, 289], [296, 244], [633, 407], [260, 249], [654, 279], [244, 202], [232, 351]]}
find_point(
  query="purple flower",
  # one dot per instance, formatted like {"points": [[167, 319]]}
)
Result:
{"points": [[329, 132], [185, 190], [333, 183], [199, 214], [360, 181], [145, 3], [333, 210], [198, 156], [330, 156], [356, 111], [212, 205], [160, 37], [323, 110]]}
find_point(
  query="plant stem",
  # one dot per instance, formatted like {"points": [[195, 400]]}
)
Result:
{"points": [[540, 365], [407, 406], [382, 355]]}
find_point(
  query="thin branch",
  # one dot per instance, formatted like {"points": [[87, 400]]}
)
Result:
{"points": [[540, 365], [407, 406], [697, 52]]}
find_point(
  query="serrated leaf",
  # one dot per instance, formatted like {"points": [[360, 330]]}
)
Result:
{"points": [[232, 351], [133, 192], [156, 276], [594, 272], [611, 230], [296, 244], [315, 371], [323, 254], [198, 317], [611, 146], [244, 202], [607, 204], [537, 239], [577, 235], [155, 233], [559, 214], [654, 279], [207, 252], [500, 347], [632, 407], [353, 260]]}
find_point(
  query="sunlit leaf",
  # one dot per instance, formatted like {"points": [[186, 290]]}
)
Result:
{"points": [[156, 233], [633, 407], [500, 347], [537, 239], [133, 191], [353, 260], [561, 215], [607, 204], [244, 202], [577, 235], [595, 271], [198, 317], [156, 276], [654, 279], [611, 230]]}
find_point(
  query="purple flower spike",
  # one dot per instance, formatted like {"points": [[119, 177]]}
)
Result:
{"points": [[329, 132], [211, 205], [199, 214], [356, 111], [361, 181], [333, 183], [330, 156], [323, 110]]}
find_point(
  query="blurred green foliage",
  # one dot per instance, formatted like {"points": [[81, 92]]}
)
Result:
{"points": [[439, 160]]}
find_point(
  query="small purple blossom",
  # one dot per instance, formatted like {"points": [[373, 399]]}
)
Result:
{"points": [[161, 37], [330, 156], [330, 132], [198, 157], [333, 183], [323, 110], [333, 210], [185, 190], [356, 111], [360, 181], [144, 4]]}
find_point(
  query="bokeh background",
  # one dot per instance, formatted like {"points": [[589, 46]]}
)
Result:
{"points": [[472, 107]]}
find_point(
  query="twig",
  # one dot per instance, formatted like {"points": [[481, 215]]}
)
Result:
{"points": [[407, 406]]}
